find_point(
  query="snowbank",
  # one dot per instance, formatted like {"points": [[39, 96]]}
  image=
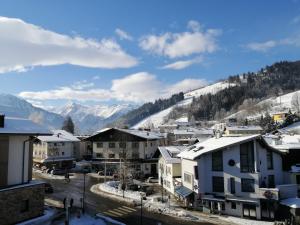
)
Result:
{"points": [[49, 214]]}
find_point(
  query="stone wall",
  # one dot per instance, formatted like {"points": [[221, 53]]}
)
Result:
{"points": [[14, 202]]}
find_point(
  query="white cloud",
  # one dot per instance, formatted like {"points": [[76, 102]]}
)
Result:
{"points": [[80, 85], [139, 87], [186, 85], [186, 43], [123, 35], [261, 46], [26, 45], [178, 65]]}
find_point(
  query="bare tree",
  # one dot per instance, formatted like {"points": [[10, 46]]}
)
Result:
{"points": [[295, 102]]}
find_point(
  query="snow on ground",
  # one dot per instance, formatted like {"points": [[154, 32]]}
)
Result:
{"points": [[158, 118], [51, 176], [86, 220], [212, 89], [271, 105]]}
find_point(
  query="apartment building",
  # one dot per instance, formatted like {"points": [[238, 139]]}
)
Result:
{"points": [[235, 175], [114, 147], [56, 151]]}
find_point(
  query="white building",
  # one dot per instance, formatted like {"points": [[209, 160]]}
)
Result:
{"points": [[57, 150], [169, 166], [112, 147], [234, 175], [20, 197]]}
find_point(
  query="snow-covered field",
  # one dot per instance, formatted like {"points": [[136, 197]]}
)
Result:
{"points": [[271, 105], [212, 89]]}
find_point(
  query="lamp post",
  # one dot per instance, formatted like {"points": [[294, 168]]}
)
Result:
{"points": [[83, 194]]}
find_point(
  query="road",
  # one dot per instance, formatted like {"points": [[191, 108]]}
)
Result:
{"points": [[112, 208]]}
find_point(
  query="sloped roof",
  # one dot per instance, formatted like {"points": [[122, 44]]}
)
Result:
{"points": [[168, 152], [139, 133], [19, 126], [212, 144], [59, 136], [257, 128]]}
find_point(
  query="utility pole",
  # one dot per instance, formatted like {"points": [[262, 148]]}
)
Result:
{"points": [[83, 194]]}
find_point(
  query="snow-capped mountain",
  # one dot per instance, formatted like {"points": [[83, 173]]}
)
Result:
{"points": [[159, 118], [13, 106], [91, 118]]}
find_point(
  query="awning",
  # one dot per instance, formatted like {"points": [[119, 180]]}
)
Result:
{"points": [[245, 200], [212, 198], [183, 191]]}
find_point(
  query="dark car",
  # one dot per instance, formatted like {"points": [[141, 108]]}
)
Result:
{"points": [[48, 188]]}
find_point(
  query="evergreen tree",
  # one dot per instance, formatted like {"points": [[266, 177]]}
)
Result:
{"points": [[68, 125]]}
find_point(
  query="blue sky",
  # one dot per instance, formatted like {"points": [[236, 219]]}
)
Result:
{"points": [[107, 52]]}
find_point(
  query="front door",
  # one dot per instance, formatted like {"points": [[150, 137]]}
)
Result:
{"points": [[249, 210], [153, 169]]}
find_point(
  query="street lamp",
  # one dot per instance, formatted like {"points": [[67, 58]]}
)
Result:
{"points": [[83, 194]]}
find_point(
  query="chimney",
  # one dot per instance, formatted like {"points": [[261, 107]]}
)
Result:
{"points": [[2, 117]]}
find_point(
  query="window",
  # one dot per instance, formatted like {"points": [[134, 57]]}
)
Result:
{"points": [[135, 145], [122, 145], [138, 167], [271, 181], [122, 155], [247, 157], [111, 145], [233, 205], [62, 153], [145, 144], [111, 156], [247, 185], [196, 172], [232, 185], [249, 210], [270, 160], [24, 206], [99, 155], [168, 169], [187, 178], [298, 179], [218, 184], [217, 161], [100, 145]]}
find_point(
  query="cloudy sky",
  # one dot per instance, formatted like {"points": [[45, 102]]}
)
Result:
{"points": [[109, 51]]}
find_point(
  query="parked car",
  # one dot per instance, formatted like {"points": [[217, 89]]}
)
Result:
{"points": [[48, 188], [152, 180], [58, 172]]}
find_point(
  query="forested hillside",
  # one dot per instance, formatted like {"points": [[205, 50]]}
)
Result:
{"points": [[146, 110], [280, 78]]}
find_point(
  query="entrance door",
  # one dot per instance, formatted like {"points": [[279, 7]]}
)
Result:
{"points": [[153, 169], [267, 210]]}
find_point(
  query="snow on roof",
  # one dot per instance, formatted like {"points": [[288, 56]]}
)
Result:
{"points": [[258, 128], [291, 202], [194, 131], [59, 136], [22, 126], [169, 153], [286, 141], [212, 144], [140, 133]]}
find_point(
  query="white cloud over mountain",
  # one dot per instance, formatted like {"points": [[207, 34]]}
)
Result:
{"points": [[178, 65], [174, 45], [139, 87], [27, 45]]}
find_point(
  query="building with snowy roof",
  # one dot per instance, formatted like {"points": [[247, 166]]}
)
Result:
{"points": [[235, 175], [20, 197], [169, 166], [56, 151], [114, 147]]}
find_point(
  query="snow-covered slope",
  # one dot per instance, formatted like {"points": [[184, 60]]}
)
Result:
{"points": [[91, 118], [210, 89], [159, 118], [13, 106], [271, 105]]}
